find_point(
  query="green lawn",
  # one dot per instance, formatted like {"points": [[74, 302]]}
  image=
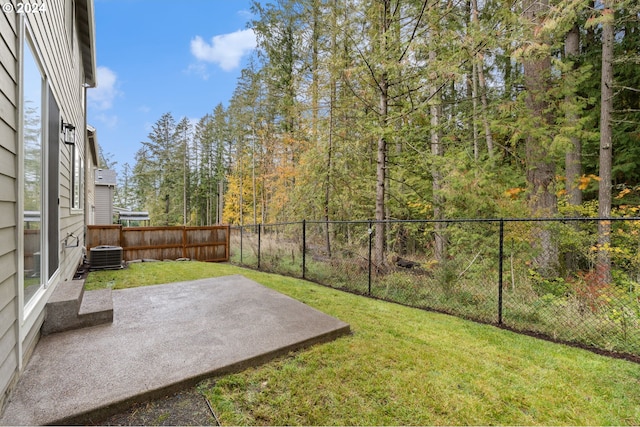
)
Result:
{"points": [[407, 366]]}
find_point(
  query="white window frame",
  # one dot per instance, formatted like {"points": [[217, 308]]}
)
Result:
{"points": [[29, 312], [77, 179]]}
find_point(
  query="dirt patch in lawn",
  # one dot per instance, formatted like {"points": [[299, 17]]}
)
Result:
{"points": [[184, 408]]}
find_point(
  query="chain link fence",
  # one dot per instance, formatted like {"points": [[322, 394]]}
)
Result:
{"points": [[540, 276]]}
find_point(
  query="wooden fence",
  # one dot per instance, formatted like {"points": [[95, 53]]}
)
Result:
{"points": [[32, 249], [199, 243]]}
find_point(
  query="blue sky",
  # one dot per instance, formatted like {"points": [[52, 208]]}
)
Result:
{"points": [[158, 56]]}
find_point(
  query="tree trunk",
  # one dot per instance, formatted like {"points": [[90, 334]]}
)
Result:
{"points": [[220, 201], [573, 158], [483, 99], [332, 100], [606, 107], [184, 181], [240, 188], [167, 204], [253, 179], [481, 85], [474, 96], [540, 170], [437, 150], [472, 84], [381, 161], [381, 169]]}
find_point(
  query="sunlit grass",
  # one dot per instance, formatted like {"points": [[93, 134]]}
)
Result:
{"points": [[407, 366], [155, 273]]}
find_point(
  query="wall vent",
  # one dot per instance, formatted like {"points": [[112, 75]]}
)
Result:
{"points": [[105, 258]]}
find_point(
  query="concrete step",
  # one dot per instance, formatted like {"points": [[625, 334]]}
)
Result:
{"points": [[96, 307], [71, 307]]}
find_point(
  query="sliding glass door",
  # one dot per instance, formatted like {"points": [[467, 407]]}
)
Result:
{"points": [[33, 170], [41, 157]]}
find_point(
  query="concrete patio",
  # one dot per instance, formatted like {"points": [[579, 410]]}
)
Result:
{"points": [[162, 338]]}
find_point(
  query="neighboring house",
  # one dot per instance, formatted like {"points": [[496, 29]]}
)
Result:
{"points": [[133, 219], [47, 56], [105, 187], [90, 187]]}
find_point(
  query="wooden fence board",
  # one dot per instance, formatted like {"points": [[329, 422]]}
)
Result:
{"points": [[31, 247], [210, 243], [98, 235]]}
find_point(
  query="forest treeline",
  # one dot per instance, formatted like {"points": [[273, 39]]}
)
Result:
{"points": [[411, 109]]}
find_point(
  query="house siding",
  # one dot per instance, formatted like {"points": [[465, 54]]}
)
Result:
{"points": [[58, 51], [89, 174], [104, 204], [9, 334], [62, 63]]}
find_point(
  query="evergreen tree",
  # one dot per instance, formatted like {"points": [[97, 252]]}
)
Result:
{"points": [[161, 169]]}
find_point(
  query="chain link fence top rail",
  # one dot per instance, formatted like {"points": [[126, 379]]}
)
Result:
{"points": [[539, 276]]}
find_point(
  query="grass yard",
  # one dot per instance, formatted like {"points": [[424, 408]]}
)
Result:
{"points": [[404, 366]]}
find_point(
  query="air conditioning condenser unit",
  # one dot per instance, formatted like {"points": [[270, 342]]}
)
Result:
{"points": [[105, 258]]}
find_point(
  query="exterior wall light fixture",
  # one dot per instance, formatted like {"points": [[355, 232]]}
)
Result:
{"points": [[69, 132]]}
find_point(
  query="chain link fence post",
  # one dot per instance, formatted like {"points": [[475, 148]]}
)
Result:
{"points": [[572, 304], [500, 268], [304, 249], [370, 231], [241, 232], [259, 233]]}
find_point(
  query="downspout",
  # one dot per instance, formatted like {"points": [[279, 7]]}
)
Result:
{"points": [[87, 171]]}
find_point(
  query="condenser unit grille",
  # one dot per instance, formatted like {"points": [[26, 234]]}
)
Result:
{"points": [[105, 257]]}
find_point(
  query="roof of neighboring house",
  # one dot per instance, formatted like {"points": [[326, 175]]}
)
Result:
{"points": [[32, 216], [134, 216], [93, 144], [105, 177], [87, 35]]}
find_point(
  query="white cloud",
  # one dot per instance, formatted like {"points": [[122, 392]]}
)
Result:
{"points": [[110, 121], [246, 14], [102, 96], [226, 50], [199, 70]]}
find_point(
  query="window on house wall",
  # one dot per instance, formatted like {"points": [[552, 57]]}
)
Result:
{"points": [[77, 186]]}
